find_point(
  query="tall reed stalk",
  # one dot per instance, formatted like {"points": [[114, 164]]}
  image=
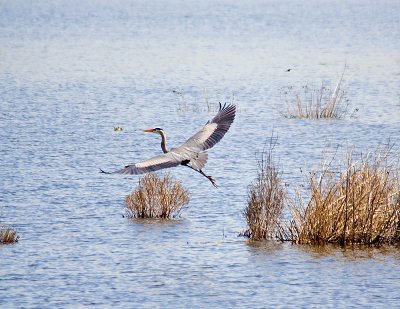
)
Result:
{"points": [[265, 199]]}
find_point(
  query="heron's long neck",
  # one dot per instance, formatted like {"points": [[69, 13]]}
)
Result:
{"points": [[164, 142]]}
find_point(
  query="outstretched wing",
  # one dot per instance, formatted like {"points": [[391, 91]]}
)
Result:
{"points": [[191, 150], [214, 130], [166, 160]]}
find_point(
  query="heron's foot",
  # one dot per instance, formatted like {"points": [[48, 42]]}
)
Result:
{"points": [[212, 181], [208, 177]]}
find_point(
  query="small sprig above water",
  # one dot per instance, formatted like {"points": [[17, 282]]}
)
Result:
{"points": [[208, 105], [8, 235], [156, 197]]}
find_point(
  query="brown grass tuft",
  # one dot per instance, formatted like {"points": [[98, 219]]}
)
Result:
{"points": [[265, 200], [359, 206], [8, 235], [156, 197]]}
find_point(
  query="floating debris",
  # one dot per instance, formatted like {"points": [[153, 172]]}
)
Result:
{"points": [[118, 129]]}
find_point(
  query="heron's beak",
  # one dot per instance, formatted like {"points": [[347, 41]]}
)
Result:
{"points": [[148, 130]]}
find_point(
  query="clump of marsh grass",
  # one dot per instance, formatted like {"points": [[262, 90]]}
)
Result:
{"points": [[8, 235], [265, 199], [156, 197], [319, 103], [357, 204], [360, 205]]}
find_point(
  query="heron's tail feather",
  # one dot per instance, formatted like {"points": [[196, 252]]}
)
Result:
{"points": [[199, 161]]}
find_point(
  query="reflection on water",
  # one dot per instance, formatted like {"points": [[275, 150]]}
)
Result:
{"points": [[71, 71], [327, 251], [351, 252], [265, 247]]}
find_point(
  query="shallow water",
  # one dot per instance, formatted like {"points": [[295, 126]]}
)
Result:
{"points": [[71, 71]]}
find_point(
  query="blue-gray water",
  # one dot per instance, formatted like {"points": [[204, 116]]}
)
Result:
{"points": [[71, 70]]}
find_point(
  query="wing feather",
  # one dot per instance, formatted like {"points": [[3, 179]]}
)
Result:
{"points": [[214, 130], [166, 160]]}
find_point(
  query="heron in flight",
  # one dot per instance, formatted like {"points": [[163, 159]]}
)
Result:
{"points": [[191, 153]]}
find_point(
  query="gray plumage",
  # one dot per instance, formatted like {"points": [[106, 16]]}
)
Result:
{"points": [[192, 152]]}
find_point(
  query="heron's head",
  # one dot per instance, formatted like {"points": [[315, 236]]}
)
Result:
{"points": [[155, 130]]}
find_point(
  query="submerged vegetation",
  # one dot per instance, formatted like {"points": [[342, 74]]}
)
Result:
{"points": [[8, 235], [357, 205], [208, 105], [156, 197]]}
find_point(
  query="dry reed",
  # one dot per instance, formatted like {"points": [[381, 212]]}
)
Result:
{"points": [[8, 235], [322, 103], [156, 197], [359, 206], [265, 200]]}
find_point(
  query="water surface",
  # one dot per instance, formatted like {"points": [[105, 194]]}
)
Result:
{"points": [[71, 71]]}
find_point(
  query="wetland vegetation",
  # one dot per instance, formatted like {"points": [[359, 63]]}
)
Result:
{"points": [[354, 204], [8, 235], [156, 197]]}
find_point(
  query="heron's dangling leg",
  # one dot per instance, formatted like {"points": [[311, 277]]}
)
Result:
{"points": [[209, 178], [212, 180]]}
